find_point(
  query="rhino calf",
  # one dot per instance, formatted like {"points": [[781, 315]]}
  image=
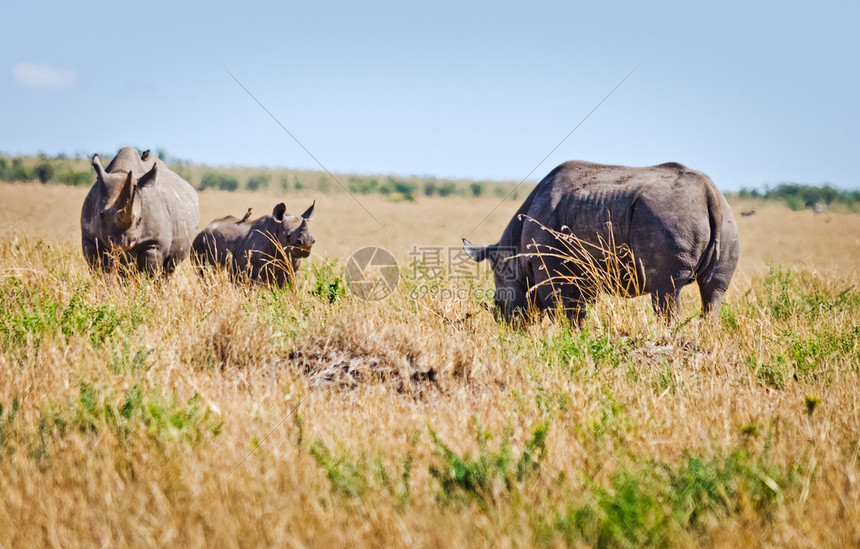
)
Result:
{"points": [[139, 214], [268, 250], [669, 226]]}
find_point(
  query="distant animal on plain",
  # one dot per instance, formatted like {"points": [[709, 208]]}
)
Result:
{"points": [[747, 213], [590, 228], [139, 214], [267, 250]]}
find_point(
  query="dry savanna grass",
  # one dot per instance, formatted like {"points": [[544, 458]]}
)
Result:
{"points": [[197, 412]]}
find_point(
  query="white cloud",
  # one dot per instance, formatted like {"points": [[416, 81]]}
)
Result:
{"points": [[29, 75]]}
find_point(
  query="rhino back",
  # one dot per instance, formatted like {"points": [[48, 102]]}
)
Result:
{"points": [[258, 245], [584, 196], [660, 212], [222, 241]]}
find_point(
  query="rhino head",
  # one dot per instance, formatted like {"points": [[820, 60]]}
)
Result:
{"points": [[293, 232], [511, 284], [119, 220]]}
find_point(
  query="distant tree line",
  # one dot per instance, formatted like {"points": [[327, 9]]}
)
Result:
{"points": [[44, 170], [797, 196], [76, 171]]}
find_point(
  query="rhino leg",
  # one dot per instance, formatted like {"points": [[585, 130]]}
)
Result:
{"points": [[170, 264], [96, 256], [712, 292], [665, 301], [563, 299], [151, 260]]}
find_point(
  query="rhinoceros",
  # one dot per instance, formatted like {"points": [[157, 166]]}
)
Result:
{"points": [[590, 228], [268, 250], [138, 214]]}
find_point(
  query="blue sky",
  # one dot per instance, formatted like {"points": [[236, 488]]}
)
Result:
{"points": [[750, 94]]}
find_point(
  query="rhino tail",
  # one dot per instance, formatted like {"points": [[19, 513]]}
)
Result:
{"points": [[711, 256], [476, 251]]}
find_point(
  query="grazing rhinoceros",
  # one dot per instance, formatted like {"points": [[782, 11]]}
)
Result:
{"points": [[139, 214], [268, 250], [588, 228]]}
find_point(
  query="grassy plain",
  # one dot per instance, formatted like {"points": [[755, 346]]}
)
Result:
{"points": [[195, 412]]}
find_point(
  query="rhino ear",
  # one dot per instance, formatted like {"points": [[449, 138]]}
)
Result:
{"points": [[279, 211], [149, 177], [97, 164], [310, 212], [476, 251]]}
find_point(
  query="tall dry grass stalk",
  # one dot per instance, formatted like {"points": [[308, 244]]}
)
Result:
{"points": [[195, 411], [593, 268]]}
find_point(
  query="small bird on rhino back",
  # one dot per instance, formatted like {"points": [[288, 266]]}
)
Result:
{"points": [[267, 250], [138, 216]]}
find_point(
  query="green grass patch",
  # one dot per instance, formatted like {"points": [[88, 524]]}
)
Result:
{"points": [[492, 473], [29, 315], [572, 349], [352, 478], [136, 415], [328, 286], [656, 504]]}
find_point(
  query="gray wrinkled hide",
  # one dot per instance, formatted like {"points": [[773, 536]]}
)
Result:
{"points": [[674, 220], [268, 250], [146, 221]]}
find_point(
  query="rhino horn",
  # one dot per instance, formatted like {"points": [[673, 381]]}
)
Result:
{"points": [[310, 212], [125, 202], [476, 251], [97, 164]]}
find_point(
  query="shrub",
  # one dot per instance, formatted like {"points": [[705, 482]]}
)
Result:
{"points": [[446, 189], [215, 180], [18, 172], [403, 189], [76, 179], [359, 186], [260, 181], [44, 172], [477, 188]]}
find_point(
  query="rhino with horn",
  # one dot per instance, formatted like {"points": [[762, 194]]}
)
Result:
{"points": [[138, 214], [592, 228]]}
